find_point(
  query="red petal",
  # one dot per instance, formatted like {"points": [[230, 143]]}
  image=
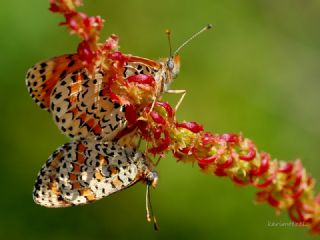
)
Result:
{"points": [[157, 133], [186, 150], [142, 79], [207, 138], [118, 56], [272, 201], [114, 98], [297, 181], [296, 214], [131, 114], [164, 144], [294, 195], [167, 107], [111, 43], [220, 172], [157, 118], [192, 126], [238, 181], [178, 155], [266, 183], [230, 137], [85, 52], [207, 160], [226, 164], [250, 155], [262, 196], [286, 168], [143, 127], [264, 165]]}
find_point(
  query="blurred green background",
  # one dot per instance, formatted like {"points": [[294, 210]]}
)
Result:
{"points": [[257, 73]]}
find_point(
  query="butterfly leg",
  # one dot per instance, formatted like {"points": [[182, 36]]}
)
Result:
{"points": [[153, 103], [182, 92]]}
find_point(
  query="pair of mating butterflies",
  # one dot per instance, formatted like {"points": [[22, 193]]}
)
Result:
{"points": [[92, 166]]}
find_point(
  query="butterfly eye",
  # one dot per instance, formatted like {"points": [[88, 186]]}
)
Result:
{"points": [[170, 64]]}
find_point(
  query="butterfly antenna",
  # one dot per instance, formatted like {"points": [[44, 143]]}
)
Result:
{"points": [[168, 32], [150, 215], [206, 28]]}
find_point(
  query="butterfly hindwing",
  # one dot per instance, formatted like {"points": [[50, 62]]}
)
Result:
{"points": [[81, 110], [81, 172]]}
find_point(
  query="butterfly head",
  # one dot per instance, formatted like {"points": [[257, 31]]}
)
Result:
{"points": [[172, 69], [152, 179], [172, 63]]}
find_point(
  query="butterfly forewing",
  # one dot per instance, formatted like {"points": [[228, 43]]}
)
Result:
{"points": [[81, 172], [43, 77], [140, 67]]}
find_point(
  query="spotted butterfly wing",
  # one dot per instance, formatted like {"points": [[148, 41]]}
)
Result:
{"points": [[139, 65], [82, 110], [77, 101], [43, 77], [81, 172]]}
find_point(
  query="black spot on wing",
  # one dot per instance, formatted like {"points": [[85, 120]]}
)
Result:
{"points": [[43, 65]]}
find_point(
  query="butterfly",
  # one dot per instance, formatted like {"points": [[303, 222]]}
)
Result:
{"points": [[78, 102], [84, 171], [92, 165]]}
